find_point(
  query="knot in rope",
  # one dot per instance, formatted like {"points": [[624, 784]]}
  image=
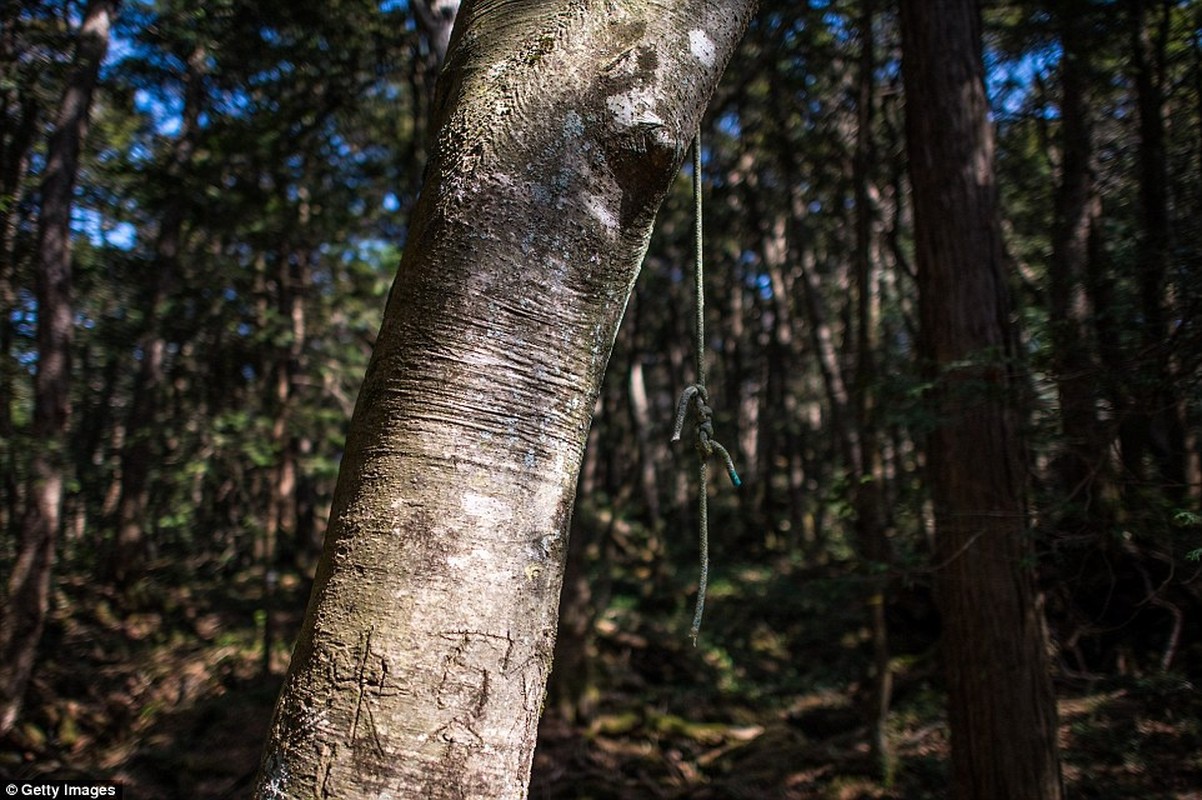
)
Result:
{"points": [[694, 398]]}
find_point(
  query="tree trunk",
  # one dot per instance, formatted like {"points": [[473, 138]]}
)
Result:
{"points": [[640, 407], [24, 615], [21, 112], [871, 535], [1001, 709], [1082, 464], [437, 19], [1155, 416], [421, 665], [137, 453]]}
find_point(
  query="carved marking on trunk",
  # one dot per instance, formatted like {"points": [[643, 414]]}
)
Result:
{"points": [[325, 765], [366, 689]]}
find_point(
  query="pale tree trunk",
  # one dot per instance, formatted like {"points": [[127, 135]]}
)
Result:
{"points": [[24, 613], [1001, 709], [871, 534], [437, 18], [421, 665]]}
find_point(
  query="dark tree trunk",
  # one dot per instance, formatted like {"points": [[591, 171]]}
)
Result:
{"points": [[24, 614], [1155, 416], [421, 666], [871, 535], [1001, 709], [137, 455], [21, 113], [1082, 465]]}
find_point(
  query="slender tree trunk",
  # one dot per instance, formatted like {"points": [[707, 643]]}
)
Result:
{"points": [[22, 113], [641, 413], [1156, 416], [572, 690], [1083, 463], [422, 663], [24, 614], [1001, 709], [870, 513], [15, 146], [437, 19], [133, 505]]}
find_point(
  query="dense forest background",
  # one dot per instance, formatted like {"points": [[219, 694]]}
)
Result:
{"points": [[237, 215]]}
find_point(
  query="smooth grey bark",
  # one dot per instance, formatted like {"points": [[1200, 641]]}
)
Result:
{"points": [[422, 663], [24, 614]]}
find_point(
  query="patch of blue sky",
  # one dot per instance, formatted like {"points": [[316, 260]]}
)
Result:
{"points": [[1009, 81], [730, 124], [101, 231], [24, 314], [164, 110]]}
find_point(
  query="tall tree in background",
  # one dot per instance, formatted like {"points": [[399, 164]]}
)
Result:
{"points": [[867, 479], [1001, 709], [21, 111], [137, 457], [1154, 421], [421, 665], [437, 19], [28, 598], [1082, 465]]}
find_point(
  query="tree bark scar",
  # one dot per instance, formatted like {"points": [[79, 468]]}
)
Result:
{"points": [[366, 691], [455, 491], [325, 765]]}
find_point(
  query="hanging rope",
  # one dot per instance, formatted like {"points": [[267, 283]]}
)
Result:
{"points": [[695, 398]]}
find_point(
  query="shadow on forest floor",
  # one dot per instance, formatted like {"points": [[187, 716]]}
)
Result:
{"points": [[173, 701]]}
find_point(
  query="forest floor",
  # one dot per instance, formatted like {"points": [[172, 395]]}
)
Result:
{"points": [[173, 699]]}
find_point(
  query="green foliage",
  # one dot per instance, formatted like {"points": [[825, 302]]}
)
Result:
{"points": [[239, 214], [1183, 518]]}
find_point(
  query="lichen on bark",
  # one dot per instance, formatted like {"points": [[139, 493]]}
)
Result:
{"points": [[424, 656]]}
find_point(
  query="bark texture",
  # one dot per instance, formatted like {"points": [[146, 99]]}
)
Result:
{"points": [[1001, 710], [24, 614], [421, 667]]}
